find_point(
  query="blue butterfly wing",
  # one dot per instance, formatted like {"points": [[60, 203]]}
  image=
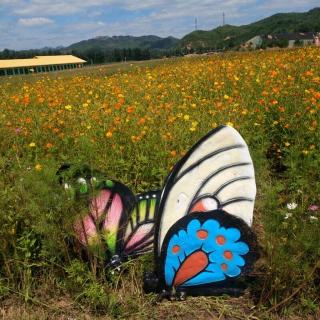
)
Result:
{"points": [[207, 248]]}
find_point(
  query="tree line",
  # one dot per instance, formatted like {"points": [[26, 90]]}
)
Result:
{"points": [[97, 55]]}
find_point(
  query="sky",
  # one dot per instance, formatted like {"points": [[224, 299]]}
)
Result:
{"points": [[31, 24]]}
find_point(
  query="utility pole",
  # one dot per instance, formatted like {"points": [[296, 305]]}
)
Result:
{"points": [[223, 19], [195, 24]]}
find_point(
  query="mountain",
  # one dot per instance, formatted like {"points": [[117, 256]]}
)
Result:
{"points": [[125, 42], [231, 36]]}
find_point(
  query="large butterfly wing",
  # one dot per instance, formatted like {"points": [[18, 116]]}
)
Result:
{"points": [[139, 235], [205, 252], [216, 174], [109, 204]]}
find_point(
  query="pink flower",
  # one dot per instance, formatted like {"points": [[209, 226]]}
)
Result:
{"points": [[314, 207]]}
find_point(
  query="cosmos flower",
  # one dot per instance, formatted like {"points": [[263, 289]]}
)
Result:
{"points": [[38, 167], [288, 215], [313, 207], [292, 205]]}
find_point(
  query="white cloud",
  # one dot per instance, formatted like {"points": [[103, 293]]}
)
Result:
{"points": [[34, 22], [80, 20], [57, 7]]}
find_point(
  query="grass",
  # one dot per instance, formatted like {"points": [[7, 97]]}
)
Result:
{"points": [[134, 124]]}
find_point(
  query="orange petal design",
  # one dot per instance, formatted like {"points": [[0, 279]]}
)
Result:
{"points": [[193, 265]]}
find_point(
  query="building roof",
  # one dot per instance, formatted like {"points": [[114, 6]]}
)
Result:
{"points": [[39, 61], [296, 36]]}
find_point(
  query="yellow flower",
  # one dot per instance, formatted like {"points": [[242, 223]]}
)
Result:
{"points": [[305, 152], [230, 124], [68, 107], [287, 144], [186, 117], [195, 123], [109, 134], [226, 97], [32, 145], [38, 167]]}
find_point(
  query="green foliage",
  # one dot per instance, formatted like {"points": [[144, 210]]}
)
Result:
{"points": [[276, 24]]}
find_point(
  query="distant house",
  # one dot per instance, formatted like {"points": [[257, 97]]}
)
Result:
{"points": [[301, 38], [254, 43], [289, 40], [317, 39], [39, 64]]}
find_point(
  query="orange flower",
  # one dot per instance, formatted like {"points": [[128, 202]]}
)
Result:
{"points": [[26, 99], [141, 121], [130, 109], [49, 145]]}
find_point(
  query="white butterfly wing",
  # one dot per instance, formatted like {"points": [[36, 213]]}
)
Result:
{"points": [[217, 170]]}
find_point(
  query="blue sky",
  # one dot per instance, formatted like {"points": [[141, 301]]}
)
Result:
{"points": [[26, 24]]}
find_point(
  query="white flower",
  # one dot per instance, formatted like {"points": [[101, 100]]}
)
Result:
{"points": [[82, 181], [288, 215], [291, 206], [313, 218], [67, 186]]}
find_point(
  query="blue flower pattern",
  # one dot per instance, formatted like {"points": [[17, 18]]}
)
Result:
{"points": [[219, 265]]}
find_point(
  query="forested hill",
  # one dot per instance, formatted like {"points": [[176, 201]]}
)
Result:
{"points": [[231, 36], [125, 42]]}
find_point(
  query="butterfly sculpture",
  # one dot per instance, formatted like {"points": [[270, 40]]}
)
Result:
{"points": [[203, 239], [117, 223], [199, 225]]}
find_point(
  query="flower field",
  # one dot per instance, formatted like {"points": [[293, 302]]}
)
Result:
{"points": [[134, 125]]}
